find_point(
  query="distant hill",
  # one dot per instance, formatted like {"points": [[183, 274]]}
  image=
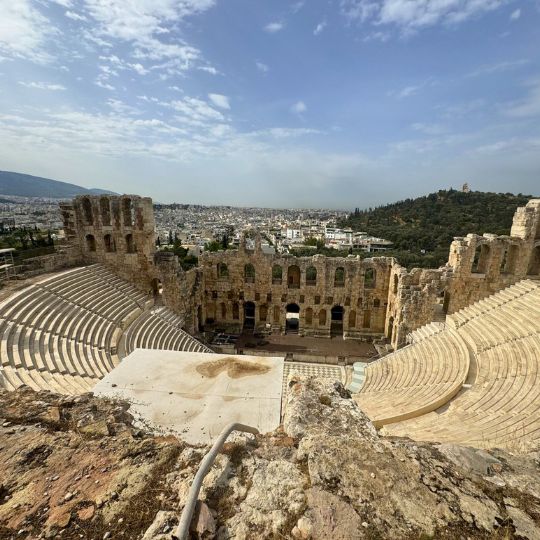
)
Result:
{"points": [[26, 185], [430, 223]]}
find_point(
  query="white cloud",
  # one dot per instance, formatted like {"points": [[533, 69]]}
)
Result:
{"points": [[274, 27], [104, 85], [299, 107], [516, 14], [412, 15], [499, 67], [319, 28], [408, 91], [24, 31], [42, 85], [75, 16], [220, 101], [262, 67], [209, 69]]}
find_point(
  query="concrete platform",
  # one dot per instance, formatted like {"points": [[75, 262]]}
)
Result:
{"points": [[194, 395]]}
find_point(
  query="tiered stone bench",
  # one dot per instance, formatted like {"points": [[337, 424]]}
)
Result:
{"points": [[501, 406], [160, 328]]}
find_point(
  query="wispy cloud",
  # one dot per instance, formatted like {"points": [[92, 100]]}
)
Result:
{"points": [[42, 85], [319, 28], [274, 27], [516, 14], [219, 100], [498, 67], [262, 67], [299, 107], [74, 16]]}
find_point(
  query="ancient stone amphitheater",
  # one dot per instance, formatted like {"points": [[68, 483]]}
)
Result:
{"points": [[473, 377]]}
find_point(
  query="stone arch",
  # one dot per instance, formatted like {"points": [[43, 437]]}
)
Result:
{"points": [[263, 313], [88, 214], [249, 273], [127, 211], [376, 303], [90, 242], [249, 314], [109, 243], [293, 277], [311, 275], [322, 317], [157, 288], [534, 262], [370, 278], [309, 316], [339, 277], [277, 274], [292, 318], [352, 318], [236, 311], [105, 210], [130, 244], [336, 320], [222, 270], [481, 259]]}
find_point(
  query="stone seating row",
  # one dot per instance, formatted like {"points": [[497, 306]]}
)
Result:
{"points": [[160, 328], [426, 331], [414, 380], [500, 408]]}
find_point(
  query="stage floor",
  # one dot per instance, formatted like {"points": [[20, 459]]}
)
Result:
{"points": [[195, 395]]}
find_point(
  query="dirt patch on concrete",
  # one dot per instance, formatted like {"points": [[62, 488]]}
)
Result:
{"points": [[234, 367]]}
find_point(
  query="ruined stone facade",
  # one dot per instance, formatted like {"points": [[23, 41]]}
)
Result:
{"points": [[315, 296]]}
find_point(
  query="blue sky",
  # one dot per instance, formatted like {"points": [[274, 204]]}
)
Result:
{"points": [[334, 103]]}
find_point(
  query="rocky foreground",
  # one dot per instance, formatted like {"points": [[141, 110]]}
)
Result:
{"points": [[78, 468]]}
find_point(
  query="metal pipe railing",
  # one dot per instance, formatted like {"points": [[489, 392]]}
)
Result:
{"points": [[207, 462]]}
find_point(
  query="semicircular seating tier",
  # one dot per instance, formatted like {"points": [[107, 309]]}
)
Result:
{"points": [[62, 333], [500, 404]]}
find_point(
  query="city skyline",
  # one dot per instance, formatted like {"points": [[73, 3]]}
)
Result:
{"points": [[340, 104]]}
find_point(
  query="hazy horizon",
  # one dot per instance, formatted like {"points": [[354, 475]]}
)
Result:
{"points": [[336, 104]]}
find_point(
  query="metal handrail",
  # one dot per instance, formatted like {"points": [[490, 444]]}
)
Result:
{"points": [[207, 462]]}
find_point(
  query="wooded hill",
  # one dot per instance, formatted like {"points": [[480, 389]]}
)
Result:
{"points": [[430, 223]]}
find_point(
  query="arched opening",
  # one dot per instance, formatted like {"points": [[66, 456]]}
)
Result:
{"points": [[127, 211], [366, 322], [510, 259], [222, 271], [88, 216], [292, 318], [263, 313], [311, 276], [249, 315], [235, 311], [534, 262], [396, 283], [157, 290], [309, 316], [276, 314], [249, 273], [322, 317], [105, 209], [223, 308], [352, 319], [481, 257], [339, 277], [277, 274], [210, 313], [293, 277], [336, 321], [390, 330], [90, 242], [130, 245], [446, 302], [369, 278], [376, 303], [110, 245]]}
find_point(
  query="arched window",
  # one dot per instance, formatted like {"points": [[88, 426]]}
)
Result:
{"points": [[127, 211], [276, 314], [235, 311], [130, 245], [249, 273], [481, 258], [90, 242], [277, 274], [369, 278], [339, 277], [88, 216], [105, 210], [293, 277], [309, 316], [366, 323], [223, 311], [322, 317], [396, 283], [352, 318], [534, 262], [222, 270], [110, 246], [263, 313], [311, 275], [376, 303]]}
